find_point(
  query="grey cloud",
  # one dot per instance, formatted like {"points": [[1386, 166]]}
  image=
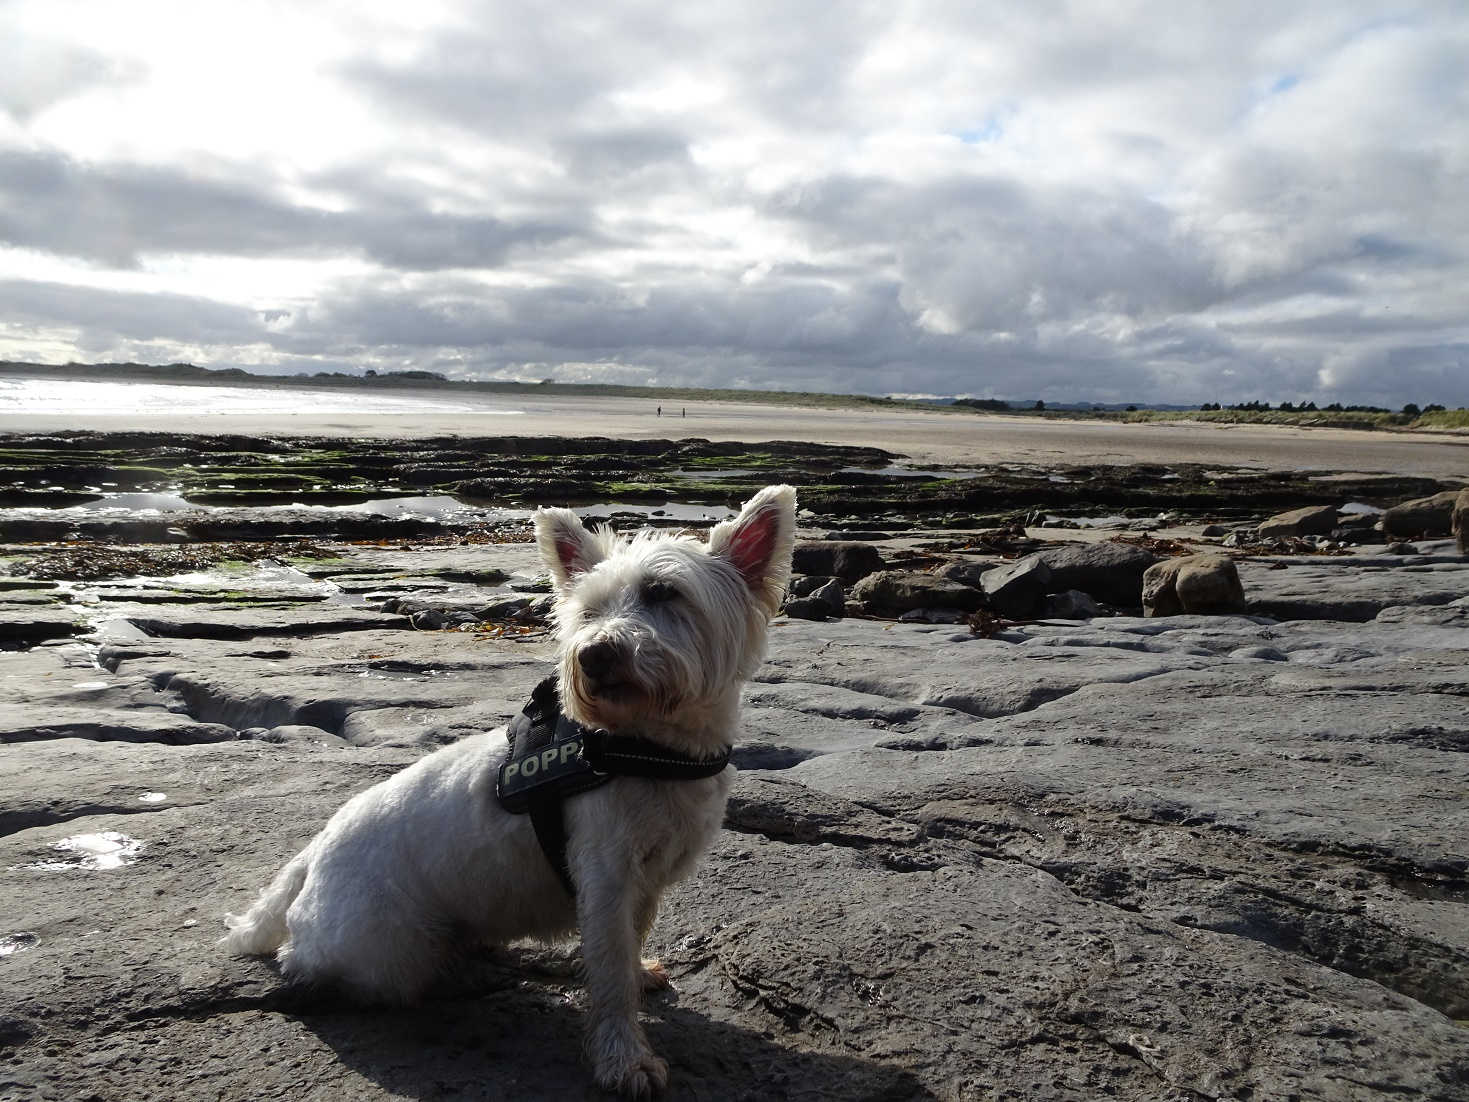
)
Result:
{"points": [[529, 69], [508, 70], [600, 155], [782, 320], [785, 333], [135, 316], [113, 214], [36, 74], [995, 253]]}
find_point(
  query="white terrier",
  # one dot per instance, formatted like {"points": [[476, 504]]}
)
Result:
{"points": [[657, 634]]}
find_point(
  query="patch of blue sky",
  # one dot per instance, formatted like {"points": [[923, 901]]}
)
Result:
{"points": [[991, 130], [1262, 92]]}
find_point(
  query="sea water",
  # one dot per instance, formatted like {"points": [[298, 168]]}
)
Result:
{"points": [[172, 399]]}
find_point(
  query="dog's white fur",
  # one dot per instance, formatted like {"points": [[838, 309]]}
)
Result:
{"points": [[378, 898]]}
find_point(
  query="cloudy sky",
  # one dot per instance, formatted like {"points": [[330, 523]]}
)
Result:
{"points": [[1110, 200]]}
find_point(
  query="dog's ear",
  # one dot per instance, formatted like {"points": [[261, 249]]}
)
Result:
{"points": [[758, 542], [567, 548]]}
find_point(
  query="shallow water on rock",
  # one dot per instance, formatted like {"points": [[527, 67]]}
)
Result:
{"points": [[109, 849], [1114, 520], [261, 577], [714, 474], [431, 507], [669, 510], [17, 943], [107, 505], [908, 472]]}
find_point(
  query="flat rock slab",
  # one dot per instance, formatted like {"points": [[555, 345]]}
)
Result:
{"points": [[225, 621], [1351, 588], [988, 979], [27, 623], [1188, 857], [488, 565]]}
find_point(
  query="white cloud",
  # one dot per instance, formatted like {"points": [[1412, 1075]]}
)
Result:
{"points": [[1169, 201]]}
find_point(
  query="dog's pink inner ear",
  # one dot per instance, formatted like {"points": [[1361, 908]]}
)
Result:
{"points": [[751, 545], [569, 551]]}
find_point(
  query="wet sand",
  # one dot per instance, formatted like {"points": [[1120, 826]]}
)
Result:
{"points": [[923, 436]]}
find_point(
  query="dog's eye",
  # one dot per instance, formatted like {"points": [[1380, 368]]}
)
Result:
{"points": [[656, 593]]}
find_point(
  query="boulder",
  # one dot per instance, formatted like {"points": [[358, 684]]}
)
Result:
{"points": [[1110, 572], [504, 607], [965, 571], [805, 608], [815, 598], [848, 560], [1424, 516], [1014, 588], [1314, 520], [803, 585], [1200, 584], [1356, 528], [832, 595], [1071, 605], [1461, 522], [893, 592]]}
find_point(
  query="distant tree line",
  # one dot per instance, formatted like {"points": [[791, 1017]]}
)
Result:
{"points": [[1411, 409], [370, 373]]}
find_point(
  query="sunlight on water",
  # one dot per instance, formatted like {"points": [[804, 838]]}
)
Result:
{"points": [[106, 850], [123, 399], [17, 943]]}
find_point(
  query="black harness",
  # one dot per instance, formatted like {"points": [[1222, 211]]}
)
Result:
{"points": [[553, 758]]}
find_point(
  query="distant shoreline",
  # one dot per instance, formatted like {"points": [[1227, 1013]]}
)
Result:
{"points": [[189, 375], [1452, 422], [923, 435]]}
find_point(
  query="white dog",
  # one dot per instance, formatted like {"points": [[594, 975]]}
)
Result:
{"points": [[657, 634]]}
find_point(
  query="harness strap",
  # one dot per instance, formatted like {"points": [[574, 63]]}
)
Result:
{"points": [[629, 756], [550, 827]]}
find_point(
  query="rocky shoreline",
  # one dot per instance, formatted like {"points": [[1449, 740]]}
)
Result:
{"points": [[1008, 824]]}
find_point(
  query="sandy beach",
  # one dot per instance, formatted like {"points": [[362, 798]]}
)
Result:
{"points": [[924, 437]]}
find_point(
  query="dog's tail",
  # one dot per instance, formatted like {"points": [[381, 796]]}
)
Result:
{"points": [[261, 930]]}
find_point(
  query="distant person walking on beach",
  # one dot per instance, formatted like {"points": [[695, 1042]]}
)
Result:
{"points": [[660, 411], [684, 412]]}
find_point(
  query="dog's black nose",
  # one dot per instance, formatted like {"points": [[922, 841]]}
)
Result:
{"points": [[597, 660]]}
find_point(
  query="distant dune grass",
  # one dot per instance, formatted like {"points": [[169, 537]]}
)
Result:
{"points": [[1356, 419], [1315, 418], [1346, 419], [1444, 419]]}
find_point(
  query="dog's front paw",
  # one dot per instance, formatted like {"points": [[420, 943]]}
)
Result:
{"points": [[643, 1081], [624, 1063]]}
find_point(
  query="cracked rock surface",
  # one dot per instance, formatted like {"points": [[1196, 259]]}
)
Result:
{"points": [[1179, 858]]}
